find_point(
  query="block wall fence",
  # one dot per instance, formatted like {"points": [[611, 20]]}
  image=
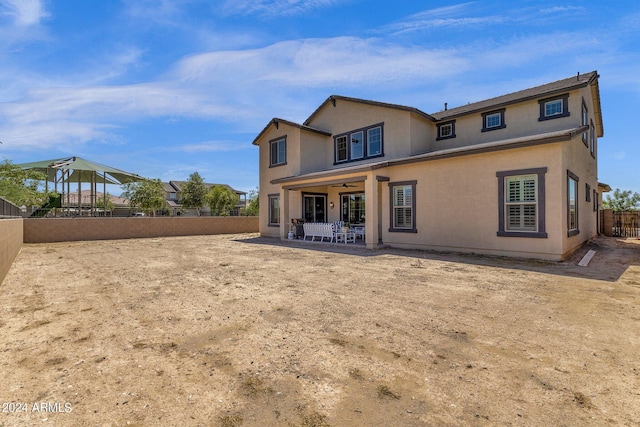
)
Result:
{"points": [[49, 230], [11, 235], [16, 231]]}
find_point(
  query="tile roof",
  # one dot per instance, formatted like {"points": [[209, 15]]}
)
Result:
{"points": [[574, 82]]}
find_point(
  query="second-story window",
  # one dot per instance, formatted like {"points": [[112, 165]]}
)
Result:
{"points": [[554, 108], [374, 141], [493, 120], [278, 152], [446, 130], [359, 144], [585, 122]]}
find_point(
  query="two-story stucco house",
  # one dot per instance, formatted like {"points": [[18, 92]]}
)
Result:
{"points": [[513, 175]]}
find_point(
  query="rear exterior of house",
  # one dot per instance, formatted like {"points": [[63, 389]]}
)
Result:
{"points": [[514, 175]]}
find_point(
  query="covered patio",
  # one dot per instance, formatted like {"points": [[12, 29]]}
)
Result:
{"points": [[332, 200]]}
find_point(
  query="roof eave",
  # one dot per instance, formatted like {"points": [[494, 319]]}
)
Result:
{"points": [[276, 122]]}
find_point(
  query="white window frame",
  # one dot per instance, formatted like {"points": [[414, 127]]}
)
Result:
{"points": [[339, 141], [561, 100], [446, 130], [550, 105], [525, 200], [488, 119], [377, 139], [490, 116]]}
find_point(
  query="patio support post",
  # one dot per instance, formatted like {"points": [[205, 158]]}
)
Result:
{"points": [[372, 202], [285, 216]]}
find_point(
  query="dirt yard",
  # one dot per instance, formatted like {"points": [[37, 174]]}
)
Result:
{"points": [[239, 330]]}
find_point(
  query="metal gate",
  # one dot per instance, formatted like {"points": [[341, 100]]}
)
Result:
{"points": [[8, 209], [625, 224]]}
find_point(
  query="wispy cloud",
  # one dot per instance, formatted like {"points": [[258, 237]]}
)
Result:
{"points": [[229, 85], [210, 147], [164, 12], [456, 16], [24, 12], [562, 9], [318, 63], [272, 8]]}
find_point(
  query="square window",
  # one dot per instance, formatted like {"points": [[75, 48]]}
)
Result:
{"points": [[446, 130], [554, 108], [493, 120]]}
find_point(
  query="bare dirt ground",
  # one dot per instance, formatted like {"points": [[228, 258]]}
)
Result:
{"points": [[242, 331]]}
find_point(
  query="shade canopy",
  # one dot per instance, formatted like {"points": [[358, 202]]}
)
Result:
{"points": [[67, 170], [82, 169]]}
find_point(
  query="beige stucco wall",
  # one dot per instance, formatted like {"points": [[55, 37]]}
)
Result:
{"points": [[457, 203], [11, 231], [520, 119], [45, 230], [577, 159], [347, 116]]}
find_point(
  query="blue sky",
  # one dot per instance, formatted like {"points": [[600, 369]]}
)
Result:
{"points": [[164, 88]]}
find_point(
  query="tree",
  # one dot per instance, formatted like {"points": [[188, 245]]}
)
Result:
{"points": [[221, 200], [147, 195], [193, 192], [101, 205], [622, 200], [253, 208], [22, 186]]}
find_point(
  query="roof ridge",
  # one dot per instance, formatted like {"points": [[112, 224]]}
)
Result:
{"points": [[523, 94]]}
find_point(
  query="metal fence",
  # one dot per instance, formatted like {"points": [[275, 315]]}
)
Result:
{"points": [[8, 209], [625, 224]]}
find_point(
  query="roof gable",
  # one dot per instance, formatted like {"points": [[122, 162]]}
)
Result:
{"points": [[333, 99], [276, 122]]}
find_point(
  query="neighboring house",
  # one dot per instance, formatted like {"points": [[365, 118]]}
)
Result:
{"points": [[514, 175], [172, 195]]}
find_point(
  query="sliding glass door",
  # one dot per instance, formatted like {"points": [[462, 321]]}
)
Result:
{"points": [[315, 208]]}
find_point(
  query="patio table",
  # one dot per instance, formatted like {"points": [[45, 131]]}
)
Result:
{"points": [[345, 237]]}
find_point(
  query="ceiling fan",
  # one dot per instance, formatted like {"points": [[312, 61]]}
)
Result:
{"points": [[345, 185]]}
